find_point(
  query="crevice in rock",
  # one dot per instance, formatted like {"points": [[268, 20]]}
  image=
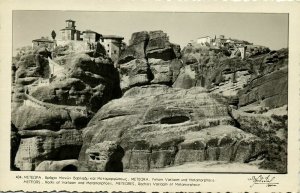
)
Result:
{"points": [[206, 152], [235, 122], [113, 116], [234, 149], [218, 152]]}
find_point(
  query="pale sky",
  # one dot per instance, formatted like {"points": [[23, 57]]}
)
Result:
{"points": [[261, 29]]}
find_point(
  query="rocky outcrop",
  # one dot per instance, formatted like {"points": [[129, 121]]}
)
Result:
{"points": [[157, 126], [199, 105], [213, 68], [270, 125], [186, 78], [136, 47], [39, 145], [53, 109], [28, 68], [105, 157], [159, 47], [86, 81], [270, 90], [149, 59], [35, 118]]}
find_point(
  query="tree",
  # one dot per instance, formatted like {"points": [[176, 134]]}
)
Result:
{"points": [[53, 34]]}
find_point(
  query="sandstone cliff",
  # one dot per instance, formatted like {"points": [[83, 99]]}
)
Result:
{"points": [[149, 59], [159, 108], [49, 111], [158, 126]]}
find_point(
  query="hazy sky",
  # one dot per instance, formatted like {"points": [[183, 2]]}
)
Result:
{"points": [[261, 29]]}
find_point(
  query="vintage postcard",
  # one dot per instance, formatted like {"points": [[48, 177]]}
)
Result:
{"points": [[149, 96]]}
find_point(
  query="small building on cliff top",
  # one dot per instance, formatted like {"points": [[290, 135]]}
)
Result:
{"points": [[43, 42], [87, 40], [112, 45], [83, 40]]}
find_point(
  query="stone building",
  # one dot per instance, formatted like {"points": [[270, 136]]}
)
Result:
{"points": [[204, 40], [87, 40], [43, 42], [90, 36], [70, 32], [112, 45]]}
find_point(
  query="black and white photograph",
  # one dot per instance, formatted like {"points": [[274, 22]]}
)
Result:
{"points": [[150, 92]]}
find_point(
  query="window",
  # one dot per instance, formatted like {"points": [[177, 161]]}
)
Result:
{"points": [[115, 51], [107, 51], [107, 45], [102, 40]]}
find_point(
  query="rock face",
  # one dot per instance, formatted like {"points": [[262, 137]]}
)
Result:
{"points": [[136, 48], [170, 107], [49, 111], [159, 46], [270, 125], [84, 81], [40, 145], [105, 157], [213, 69], [270, 90], [28, 68], [158, 126], [149, 59]]}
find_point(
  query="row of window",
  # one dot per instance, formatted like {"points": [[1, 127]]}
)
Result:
{"points": [[115, 51]]}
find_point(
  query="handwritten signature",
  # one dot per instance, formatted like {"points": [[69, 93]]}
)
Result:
{"points": [[268, 180]]}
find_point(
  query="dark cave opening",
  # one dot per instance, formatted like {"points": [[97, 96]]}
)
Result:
{"points": [[69, 168], [174, 120]]}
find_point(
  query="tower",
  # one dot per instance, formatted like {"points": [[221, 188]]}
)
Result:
{"points": [[70, 24], [69, 31]]}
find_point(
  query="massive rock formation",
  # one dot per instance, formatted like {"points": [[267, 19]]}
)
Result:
{"points": [[201, 104], [158, 126], [213, 69], [149, 59], [49, 111], [84, 81], [28, 68]]}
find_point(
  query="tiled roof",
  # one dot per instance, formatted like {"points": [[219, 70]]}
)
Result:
{"points": [[89, 31], [42, 40], [68, 28], [112, 37]]}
